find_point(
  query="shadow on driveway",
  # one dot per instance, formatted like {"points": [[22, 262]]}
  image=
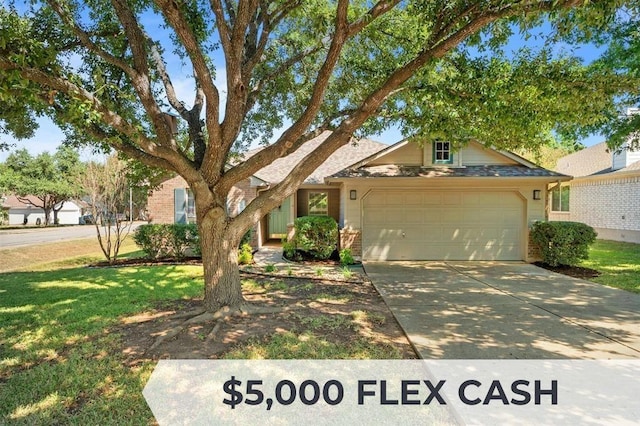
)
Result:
{"points": [[500, 310]]}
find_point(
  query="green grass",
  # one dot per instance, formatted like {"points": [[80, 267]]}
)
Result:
{"points": [[57, 362], [253, 286], [618, 262], [309, 345]]}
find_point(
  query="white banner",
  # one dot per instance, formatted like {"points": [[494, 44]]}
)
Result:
{"points": [[404, 392]]}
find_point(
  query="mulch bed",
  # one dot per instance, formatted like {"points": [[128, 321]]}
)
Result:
{"points": [[572, 271], [140, 261]]}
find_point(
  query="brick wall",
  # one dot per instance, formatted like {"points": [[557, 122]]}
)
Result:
{"points": [[160, 202], [241, 191], [533, 251], [351, 239], [607, 203]]}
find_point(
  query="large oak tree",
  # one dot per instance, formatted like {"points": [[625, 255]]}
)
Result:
{"points": [[282, 72]]}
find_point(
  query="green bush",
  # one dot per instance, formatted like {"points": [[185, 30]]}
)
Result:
{"points": [[563, 243], [167, 240], [346, 258], [316, 235], [245, 254], [289, 250]]}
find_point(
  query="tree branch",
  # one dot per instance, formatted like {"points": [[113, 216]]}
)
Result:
{"points": [[110, 118], [85, 39], [161, 69], [291, 136], [342, 134], [376, 11], [221, 24], [175, 18]]}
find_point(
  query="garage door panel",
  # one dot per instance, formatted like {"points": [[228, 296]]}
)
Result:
{"points": [[434, 225], [414, 216], [431, 199], [452, 199]]}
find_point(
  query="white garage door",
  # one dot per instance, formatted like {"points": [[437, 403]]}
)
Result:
{"points": [[442, 225]]}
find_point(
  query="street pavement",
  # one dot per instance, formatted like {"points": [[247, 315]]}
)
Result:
{"points": [[13, 238]]}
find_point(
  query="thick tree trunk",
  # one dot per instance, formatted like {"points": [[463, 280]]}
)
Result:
{"points": [[220, 261]]}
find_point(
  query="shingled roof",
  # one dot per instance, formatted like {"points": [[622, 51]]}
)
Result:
{"points": [[435, 172], [631, 167], [342, 158], [593, 160]]}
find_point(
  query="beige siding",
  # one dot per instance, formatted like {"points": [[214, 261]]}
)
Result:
{"points": [[410, 154], [475, 154]]}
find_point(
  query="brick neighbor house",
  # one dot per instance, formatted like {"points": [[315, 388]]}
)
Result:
{"points": [[405, 201], [604, 193]]}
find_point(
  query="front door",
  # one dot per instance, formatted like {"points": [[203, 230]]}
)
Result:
{"points": [[279, 218]]}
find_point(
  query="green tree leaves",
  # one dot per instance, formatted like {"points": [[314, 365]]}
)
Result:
{"points": [[50, 178]]}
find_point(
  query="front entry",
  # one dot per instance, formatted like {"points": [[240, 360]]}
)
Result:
{"points": [[279, 218]]}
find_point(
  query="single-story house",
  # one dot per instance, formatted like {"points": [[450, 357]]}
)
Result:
{"points": [[21, 213], [604, 193], [404, 201]]}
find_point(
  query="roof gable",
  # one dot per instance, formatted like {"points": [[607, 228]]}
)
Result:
{"points": [[476, 154], [474, 160], [407, 153]]}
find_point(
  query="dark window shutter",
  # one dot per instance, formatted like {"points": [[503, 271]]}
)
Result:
{"points": [[180, 205]]}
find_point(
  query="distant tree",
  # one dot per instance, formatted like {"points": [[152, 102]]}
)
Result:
{"points": [[51, 179], [547, 156], [107, 187]]}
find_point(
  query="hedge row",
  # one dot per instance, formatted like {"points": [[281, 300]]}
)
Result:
{"points": [[168, 240]]}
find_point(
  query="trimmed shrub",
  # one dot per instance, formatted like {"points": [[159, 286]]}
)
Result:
{"points": [[289, 250], [167, 240], [563, 243], [316, 235], [346, 258]]}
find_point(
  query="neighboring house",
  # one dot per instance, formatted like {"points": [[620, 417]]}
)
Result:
{"points": [[20, 212], [604, 193], [398, 202]]}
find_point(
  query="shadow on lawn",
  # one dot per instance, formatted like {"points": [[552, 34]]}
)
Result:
{"points": [[56, 352], [43, 312]]}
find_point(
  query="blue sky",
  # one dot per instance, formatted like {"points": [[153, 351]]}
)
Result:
{"points": [[48, 137]]}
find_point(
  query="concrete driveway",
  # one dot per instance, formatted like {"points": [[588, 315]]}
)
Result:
{"points": [[473, 310]]}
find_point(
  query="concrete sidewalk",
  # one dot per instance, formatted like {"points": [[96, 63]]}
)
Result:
{"points": [[458, 310]]}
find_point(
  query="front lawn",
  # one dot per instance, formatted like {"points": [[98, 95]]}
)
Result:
{"points": [[618, 263], [75, 341], [59, 363]]}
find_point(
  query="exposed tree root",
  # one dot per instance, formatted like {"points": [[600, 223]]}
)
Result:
{"points": [[201, 316], [214, 331], [189, 314]]}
